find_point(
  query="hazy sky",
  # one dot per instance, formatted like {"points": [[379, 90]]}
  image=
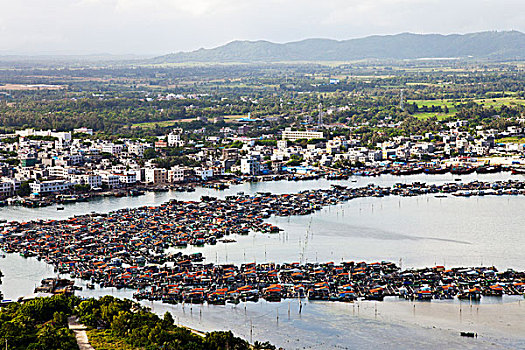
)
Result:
{"points": [[164, 26]]}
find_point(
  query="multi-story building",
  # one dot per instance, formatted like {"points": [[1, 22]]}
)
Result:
{"points": [[250, 166], [230, 154], [204, 173], [8, 187], [156, 175], [110, 180], [137, 148], [60, 172], [93, 180], [112, 148], [174, 140], [127, 178], [176, 174], [288, 134], [53, 186]]}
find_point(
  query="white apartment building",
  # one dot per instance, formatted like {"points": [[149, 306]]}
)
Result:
{"points": [[66, 136], [60, 171], [6, 190], [250, 166], [83, 131], [156, 175], [176, 174], [49, 186], [112, 148], [127, 178], [204, 173], [288, 134], [282, 144], [137, 148], [174, 140], [109, 179], [8, 187], [119, 168], [94, 181]]}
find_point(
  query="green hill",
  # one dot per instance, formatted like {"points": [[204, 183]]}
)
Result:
{"points": [[503, 45]]}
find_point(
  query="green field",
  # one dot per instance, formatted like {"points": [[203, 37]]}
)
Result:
{"points": [[489, 102], [438, 103], [168, 123], [439, 116], [510, 140], [451, 104], [501, 101], [162, 124], [104, 340]]}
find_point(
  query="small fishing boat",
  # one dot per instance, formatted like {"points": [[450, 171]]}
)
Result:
{"points": [[518, 171]]}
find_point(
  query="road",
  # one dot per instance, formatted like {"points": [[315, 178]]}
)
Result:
{"points": [[80, 334]]}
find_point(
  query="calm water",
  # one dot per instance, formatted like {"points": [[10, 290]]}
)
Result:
{"points": [[108, 204], [415, 231], [320, 325]]}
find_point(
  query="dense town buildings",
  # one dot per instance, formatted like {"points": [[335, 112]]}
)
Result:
{"points": [[57, 162]]}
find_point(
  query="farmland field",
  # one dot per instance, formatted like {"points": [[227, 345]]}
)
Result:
{"points": [[511, 140], [169, 123], [502, 101], [162, 124], [437, 103], [439, 116]]}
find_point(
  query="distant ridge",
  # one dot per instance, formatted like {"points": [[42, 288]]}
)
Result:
{"points": [[502, 45]]}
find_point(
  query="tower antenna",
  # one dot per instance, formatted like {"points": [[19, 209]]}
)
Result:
{"points": [[320, 106]]}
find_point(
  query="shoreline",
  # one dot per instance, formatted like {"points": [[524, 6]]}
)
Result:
{"points": [[139, 189]]}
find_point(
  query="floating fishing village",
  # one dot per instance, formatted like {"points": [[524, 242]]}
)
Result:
{"points": [[134, 248]]}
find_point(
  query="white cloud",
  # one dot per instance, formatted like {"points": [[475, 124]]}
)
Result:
{"points": [[161, 26]]}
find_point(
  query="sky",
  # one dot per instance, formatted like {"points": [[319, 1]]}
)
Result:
{"points": [[156, 27]]}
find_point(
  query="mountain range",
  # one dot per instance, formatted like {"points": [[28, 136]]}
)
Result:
{"points": [[492, 45]]}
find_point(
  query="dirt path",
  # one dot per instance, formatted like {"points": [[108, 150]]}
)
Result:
{"points": [[80, 334]]}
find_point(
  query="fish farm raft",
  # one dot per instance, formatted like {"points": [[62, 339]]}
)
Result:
{"points": [[129, 249]]}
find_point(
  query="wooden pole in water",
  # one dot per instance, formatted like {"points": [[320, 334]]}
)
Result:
{"points": [[251, 331]]}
